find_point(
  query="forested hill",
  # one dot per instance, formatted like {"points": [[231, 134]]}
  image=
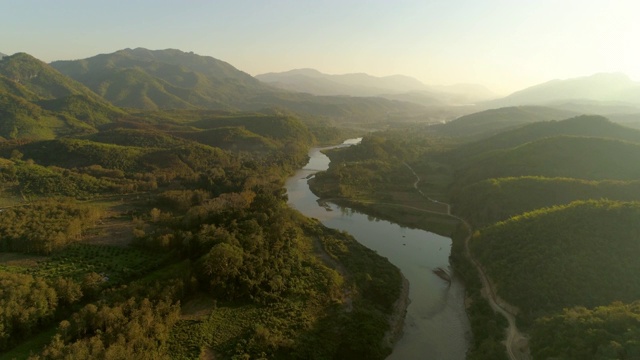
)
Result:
{"points": [[172, 79], [584, 125], [489, 122], [606, 332], [543, 164], [588, 158], [492, 200], [146, 79], [37, 102], [41, 79], [582, 254]]}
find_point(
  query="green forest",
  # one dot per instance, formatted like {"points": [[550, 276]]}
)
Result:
{"points": [[164, 233]]}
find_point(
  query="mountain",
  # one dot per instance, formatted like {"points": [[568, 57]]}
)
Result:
{"points": [[489, 122], [607, 88], [41, 79], [172, 79], [37, 102], [395, 87], [2, 55], [582, 254], [146, 79], [584, 125]]}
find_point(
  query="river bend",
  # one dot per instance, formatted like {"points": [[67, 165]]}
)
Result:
{"points": [[436, 326]]}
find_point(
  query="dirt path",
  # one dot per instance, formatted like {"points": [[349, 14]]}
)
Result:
{"points": [[415, 186], [516, 343]]}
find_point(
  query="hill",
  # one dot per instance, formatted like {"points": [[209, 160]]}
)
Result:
{"points": [[588, 158], [489, 201], [603, 87], [42, 79], [40, 103], [585, 125], [606, 332], [582, 254], [490, 122]]}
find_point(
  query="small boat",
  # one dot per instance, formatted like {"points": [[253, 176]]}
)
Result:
{"points": [[442, 274]]}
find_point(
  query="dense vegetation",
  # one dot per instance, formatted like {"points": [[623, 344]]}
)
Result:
{"points": [[171, 213], [489, 201], [166, 234], [561, 156], [605, 332], [543, 198], [546, 265], [44, 226]]}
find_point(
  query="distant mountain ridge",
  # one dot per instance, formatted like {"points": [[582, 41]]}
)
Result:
{"points": [[583, 125], [397, 87], [489, 122], [172, 79], [356, 84], [607, 88], [147, 79]]}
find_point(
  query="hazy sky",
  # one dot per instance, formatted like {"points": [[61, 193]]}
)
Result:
{"points": [[503, 44]]}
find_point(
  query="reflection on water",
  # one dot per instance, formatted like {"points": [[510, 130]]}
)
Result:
{"points": [[436, 325]]}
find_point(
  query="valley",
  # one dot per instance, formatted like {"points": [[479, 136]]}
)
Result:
{"points": [[164, 203]]}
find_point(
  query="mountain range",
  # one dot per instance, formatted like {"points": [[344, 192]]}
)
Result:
{"points": [[605, 89], [42, 100], [173, 79], [396, 87]]}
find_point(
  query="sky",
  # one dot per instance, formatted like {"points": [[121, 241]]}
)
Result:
{"points": [[505, 45]]}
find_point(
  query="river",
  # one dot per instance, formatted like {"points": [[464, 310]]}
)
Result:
{"points": [[436, 325]]}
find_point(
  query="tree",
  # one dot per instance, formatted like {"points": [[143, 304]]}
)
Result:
{"points": [[222, 264]]}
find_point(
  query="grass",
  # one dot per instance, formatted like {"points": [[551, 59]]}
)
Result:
{"points": [[10, 200], [116, 263], [223, 330]]}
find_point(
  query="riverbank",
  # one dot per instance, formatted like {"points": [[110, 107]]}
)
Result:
{"points": [[405, 215], [396, 320]]}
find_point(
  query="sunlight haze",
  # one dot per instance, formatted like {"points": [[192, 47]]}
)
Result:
{"points": [[504, 45]]}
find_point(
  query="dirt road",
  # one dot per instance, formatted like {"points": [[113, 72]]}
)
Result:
{"points": [[516, 343]]}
